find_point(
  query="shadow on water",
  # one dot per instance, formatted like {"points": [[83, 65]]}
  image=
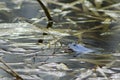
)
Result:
{"points": [[92, 30]]}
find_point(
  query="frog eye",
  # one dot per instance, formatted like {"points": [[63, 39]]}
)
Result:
{"points": [[74, 44]]}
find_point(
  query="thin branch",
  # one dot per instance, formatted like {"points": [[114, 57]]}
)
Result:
{"points": [[13, 73], [45, 10]]}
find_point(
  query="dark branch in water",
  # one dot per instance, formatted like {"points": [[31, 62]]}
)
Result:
{"points": [[45, 10], [50, 23]]}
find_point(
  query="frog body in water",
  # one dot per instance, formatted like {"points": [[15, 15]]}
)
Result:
{"points": [[80, 49]]}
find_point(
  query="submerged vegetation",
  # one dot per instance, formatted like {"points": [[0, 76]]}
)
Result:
{"points": [[40, 38]]}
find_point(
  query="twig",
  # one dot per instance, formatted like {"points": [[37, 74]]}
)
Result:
{"points": [[45, 10], [13, 73]]}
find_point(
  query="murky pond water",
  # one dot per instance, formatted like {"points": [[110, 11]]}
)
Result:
{"points": [[51, 59]]}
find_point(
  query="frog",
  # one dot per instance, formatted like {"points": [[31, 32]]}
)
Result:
{"points": [[79, 49]]}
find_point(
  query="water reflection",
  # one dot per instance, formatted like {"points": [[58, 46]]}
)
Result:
{"points": [[19, 41]]}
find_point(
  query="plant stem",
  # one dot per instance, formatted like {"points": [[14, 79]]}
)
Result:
{"points": [[45, 10], [13, 73]]}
